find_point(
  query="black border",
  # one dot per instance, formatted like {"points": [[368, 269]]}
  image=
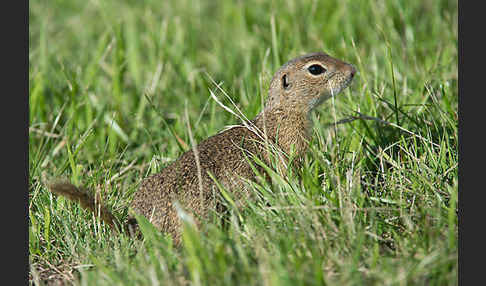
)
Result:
{"points": [[470, 92], [15, 143]]}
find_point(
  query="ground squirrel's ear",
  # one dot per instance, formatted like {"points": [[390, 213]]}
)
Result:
{"points": [[285, 82]]}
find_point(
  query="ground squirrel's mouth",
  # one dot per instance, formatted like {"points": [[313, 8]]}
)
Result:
{"points": [[343, 85], [346, 83], [333, 91]]}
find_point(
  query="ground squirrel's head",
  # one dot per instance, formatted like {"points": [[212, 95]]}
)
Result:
{"points": [[305, 82]]}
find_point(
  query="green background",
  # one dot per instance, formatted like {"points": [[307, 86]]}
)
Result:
{"points": [[375, 202]]}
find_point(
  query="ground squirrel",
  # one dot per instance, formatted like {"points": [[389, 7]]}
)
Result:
{"points": [[295, 90]]}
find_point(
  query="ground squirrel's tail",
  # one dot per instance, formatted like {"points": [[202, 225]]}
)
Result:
{"points": [[90, 202]]}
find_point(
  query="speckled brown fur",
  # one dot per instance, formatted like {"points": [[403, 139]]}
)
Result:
{"points": [[222, 155], [284, 123]]}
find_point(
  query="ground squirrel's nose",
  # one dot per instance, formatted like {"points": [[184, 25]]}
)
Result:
{"points": [[352, 70]]}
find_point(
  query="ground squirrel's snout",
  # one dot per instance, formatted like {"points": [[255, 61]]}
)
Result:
{"points": [[348, 70], [351, 70]]}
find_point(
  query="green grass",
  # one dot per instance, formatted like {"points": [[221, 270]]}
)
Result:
{"points": [[375, 202]]}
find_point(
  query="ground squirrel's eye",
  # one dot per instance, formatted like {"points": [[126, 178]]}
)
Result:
{"points": [[316, 69]]}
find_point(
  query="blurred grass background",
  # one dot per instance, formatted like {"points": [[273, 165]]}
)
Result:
{"points": [[374, 203]]}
